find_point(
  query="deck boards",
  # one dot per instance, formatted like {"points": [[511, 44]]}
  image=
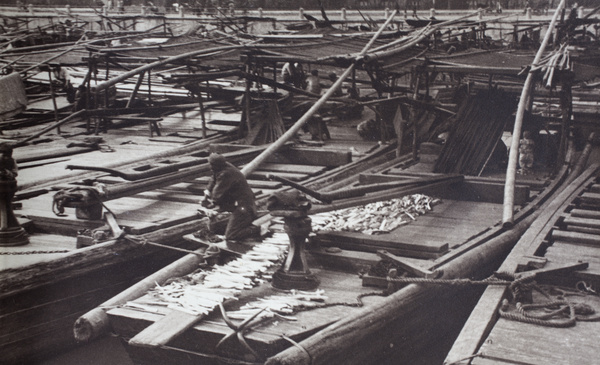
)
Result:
{"points": [[337, 286], [512, 342], [448, 225]]}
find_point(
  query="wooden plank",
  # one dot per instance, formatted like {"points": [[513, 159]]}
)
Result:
{"points": [[309, 170], [470, 189], [582, 222], [382, 241], [394, 173], [512, 341], [290, 176], [564, 252], [296, 155], [259, 184], [576, 237], [166, 329], [590, 198], [585, 213], [583, 229], [418, 254]]}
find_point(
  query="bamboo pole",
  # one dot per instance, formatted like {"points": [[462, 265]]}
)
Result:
{"points": [[149, 66], [511, 170], [76, 45], [249, 168]]}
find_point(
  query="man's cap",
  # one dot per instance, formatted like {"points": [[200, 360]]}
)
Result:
{"points": [[216, 160]]}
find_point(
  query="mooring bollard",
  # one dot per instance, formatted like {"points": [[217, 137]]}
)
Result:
{"points": [[143, 9], [181, 14], [528, 12], [294, 273], [30, 8], [11, 232], [68, 9], [260, 12], [301, 13], [480, 13], [431, 13], [386, 13], [344, 15]]}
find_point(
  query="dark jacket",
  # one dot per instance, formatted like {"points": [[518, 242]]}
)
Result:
{"points": [[228, 186]]}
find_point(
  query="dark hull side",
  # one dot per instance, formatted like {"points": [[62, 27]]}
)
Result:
{"points": [[38, 323]]}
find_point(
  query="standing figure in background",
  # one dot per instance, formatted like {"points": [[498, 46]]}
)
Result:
{"points": [[229, 189], [313, 82], [526, 147], [338, 90]]}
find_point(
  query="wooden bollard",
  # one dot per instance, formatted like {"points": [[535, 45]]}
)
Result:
{"points": [[301, 13], [431, 13], [344, 16], [260, 12], [528, 12]]}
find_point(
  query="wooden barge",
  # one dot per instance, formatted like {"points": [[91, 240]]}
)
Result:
{"points": [[359, 321], [548, 312], [156, 202]]}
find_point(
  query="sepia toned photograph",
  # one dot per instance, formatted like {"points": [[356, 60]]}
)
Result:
{"points": [[299, 182]]}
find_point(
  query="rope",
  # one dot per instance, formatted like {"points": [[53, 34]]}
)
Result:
{"points": [[142, 241], [298, 346], [526, 318], [457, 282], [33, 252], [359, 303]]}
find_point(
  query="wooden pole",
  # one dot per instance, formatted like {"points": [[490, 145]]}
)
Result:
{"points": [[149, 66], [135, 89], [511, 170], [49, 128], [53, 99], [249, 168], [76, 45], [95, 322], [247, 101], [201, 102]]}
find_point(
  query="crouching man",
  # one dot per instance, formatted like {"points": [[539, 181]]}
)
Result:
{"points": [[229, 190]]}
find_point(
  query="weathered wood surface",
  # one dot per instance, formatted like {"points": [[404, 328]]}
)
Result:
{"points": [[449, 224], [265, 336], [85, 260], [95, 323], [165, 329], [513, 342], [484, 316]]}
